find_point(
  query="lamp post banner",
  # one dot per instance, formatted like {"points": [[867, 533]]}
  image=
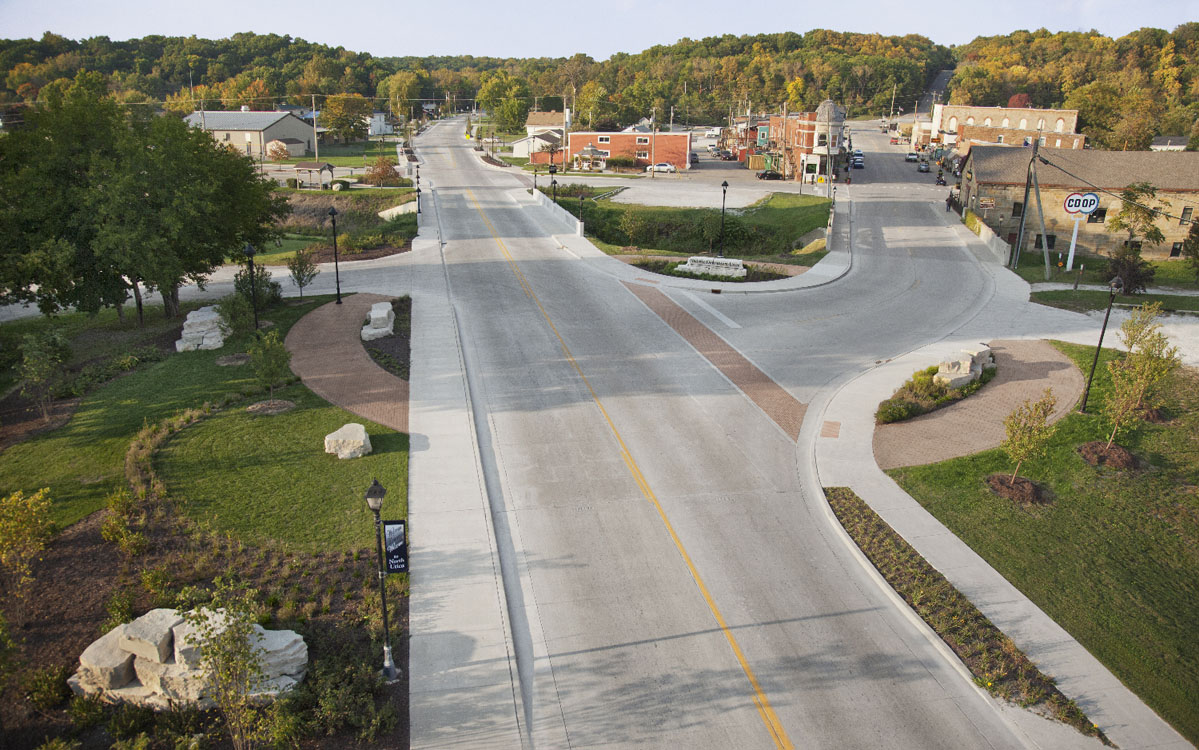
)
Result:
{"points": [[396, 544]]}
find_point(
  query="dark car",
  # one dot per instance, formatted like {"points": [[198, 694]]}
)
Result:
{"points": [[769, 175], [694, 158], [727, 155]]}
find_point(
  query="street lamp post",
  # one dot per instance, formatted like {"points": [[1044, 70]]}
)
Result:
{"points": [[554, 185], [253, 286], [374, 501], [580, 205], [336, 272], [418, 200], [724, 191], [1115, 286]]}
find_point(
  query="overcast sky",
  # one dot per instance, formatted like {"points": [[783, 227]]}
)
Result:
{"points": [[549, 29]]}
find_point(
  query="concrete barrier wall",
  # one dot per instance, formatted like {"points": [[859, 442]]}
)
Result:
{"points": [[1001, 250], [562, 217]]}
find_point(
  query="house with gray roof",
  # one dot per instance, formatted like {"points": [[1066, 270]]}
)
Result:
{"points": [[993, 180], [252, 132]]}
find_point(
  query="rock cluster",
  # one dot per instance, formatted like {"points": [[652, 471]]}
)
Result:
{"points": [[154, 661], [203, 329], [381, 323], [350, 441], [714, 266], [967, 368]]}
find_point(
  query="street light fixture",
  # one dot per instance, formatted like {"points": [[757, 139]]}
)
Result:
{"points": [[580, 204], [418, 200], [1114, 286], [724, 191], [374, 500], [253, 286], [336, 272], [554, 185]]}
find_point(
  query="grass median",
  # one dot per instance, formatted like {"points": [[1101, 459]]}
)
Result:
{"points": [[1114, 557], [1084, 300]]}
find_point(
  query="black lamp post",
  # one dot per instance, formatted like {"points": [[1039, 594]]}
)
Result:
{"points": [[554, 185], [418, 200], [336, 272], [253, 284], [374, 501], [534, 180], [580, 205], [724, 191], [1114, 286]]}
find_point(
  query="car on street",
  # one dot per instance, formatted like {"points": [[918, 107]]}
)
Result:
{"points": [[859, 163], [769, 174], [727, 155], [713, 148], [660, 167], [923, 167], [912, 156], [694, 158], [894, 140], [857, 153]]}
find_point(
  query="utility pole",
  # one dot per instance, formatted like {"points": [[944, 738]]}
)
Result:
{"points": [[1024, 207], [892, 115], [316, 139], [672, 118], [1040, 211], [783, 146]]}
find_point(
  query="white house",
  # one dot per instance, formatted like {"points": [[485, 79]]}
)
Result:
{"points": [[540, 141], [379, 124]]}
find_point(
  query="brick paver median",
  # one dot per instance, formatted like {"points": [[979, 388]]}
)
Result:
{"points": [[327, 354]]}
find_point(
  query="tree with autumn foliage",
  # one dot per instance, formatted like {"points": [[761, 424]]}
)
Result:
{"points": [[347, 116]]}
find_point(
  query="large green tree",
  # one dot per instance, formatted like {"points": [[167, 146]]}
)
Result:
{"points": [[347, 116]]}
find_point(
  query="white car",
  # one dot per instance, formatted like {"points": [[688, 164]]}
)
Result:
{"points": [[713, 133], [660, 167], [857, 153], [912, 156]]}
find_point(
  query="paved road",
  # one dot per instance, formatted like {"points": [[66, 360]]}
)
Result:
{"points": [[678, 587]]}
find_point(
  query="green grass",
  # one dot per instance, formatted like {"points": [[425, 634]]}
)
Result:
{"points": [[349, 154], [83, 461], [259, 477], [1172, 273], [1115, 558], [1086, 299], [516, 161]]}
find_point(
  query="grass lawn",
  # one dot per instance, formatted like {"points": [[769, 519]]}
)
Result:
{"points": [[1115, 558], [268, 476], [349, 154], [1172, 273], [1085, 299], [83, 461], [516, 161]]}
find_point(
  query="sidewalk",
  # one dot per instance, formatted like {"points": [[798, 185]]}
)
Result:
{"points": [[839, 442]]}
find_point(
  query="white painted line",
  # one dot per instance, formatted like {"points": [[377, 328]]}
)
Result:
{"points": [[712, 310]]}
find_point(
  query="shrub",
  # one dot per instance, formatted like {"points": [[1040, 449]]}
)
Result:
{"points": [[129, 721], [267, 291], [139, 742], [47, 687], [42, 358], [1136, 272], [85, 711], [119, 608], [382, 173], [270, 360], [24, 531], [293, 183], [60, 743], [236, 312], [895, 410]]}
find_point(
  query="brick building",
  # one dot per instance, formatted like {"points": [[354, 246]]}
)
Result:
{"points": [[948, 120], [993, 187], [808, 143], [642, 148]]}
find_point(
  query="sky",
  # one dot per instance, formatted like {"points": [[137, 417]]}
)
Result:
{"points": [[549, 29]]}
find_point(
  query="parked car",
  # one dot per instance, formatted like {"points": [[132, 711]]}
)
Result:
{"points": [[857, 153], [769, 174], [923, 167], [727, 155], [694, 158], [713, 148], [712, 133], [859, 163], [912, 156], [894, 140], [661, 167]]}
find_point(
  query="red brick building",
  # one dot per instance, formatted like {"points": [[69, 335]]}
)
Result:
{"points": [[642, 148]]}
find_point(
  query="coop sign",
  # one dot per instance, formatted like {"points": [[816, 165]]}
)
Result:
{"points": [[1081, 203]]}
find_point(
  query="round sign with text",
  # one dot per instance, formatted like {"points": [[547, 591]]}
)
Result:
{"points": [[1081, 203]]}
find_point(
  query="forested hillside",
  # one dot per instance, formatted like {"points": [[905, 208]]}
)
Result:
{"points": [[1126, 90]]}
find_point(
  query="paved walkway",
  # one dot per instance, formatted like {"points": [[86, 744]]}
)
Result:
{"points": [[1025, 370], [327, 354]]}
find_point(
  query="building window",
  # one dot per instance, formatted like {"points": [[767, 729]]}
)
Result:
{"points": [[1024, 123], [1028, 140], [969, 120], [822, 139], [1186, 216], [1176, 250], [1060, 126], [1042, 140], [1052, 241], [605, 153], [1041, 124], [642, 140], [1098, 216], [987, 123], [605, 139], [1058, 143], [953, 124], [642, 154], [1006, 123], [226, 137], [1017, 209], [1000, 140]]}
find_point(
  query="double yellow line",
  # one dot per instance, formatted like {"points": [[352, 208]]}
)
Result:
{"points": [[773, 725]]}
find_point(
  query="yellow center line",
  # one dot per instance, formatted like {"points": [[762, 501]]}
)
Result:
{"points": [[773, 725]]}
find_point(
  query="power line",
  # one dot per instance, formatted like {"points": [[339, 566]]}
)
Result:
{"points": [[1088, 183]]}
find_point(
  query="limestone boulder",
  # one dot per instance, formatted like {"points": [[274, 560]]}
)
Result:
{"points": [[351, 441], [203, 329], [284, 652], [174, 681], [104, 664], [381, 322], [150, 636], [187, 650]]}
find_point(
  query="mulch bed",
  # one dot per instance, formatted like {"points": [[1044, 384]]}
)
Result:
{"points": [[20, 419], [1023, 492], [325, 254], [273, 406], [1097, 453]]}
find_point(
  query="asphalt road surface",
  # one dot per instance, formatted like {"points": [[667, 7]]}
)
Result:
{"points": [[679, 586]]}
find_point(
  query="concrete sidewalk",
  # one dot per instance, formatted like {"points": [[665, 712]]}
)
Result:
{"points": [[839, 442]]}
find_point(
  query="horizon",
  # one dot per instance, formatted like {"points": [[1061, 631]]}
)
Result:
{"points": [[482, 32]]}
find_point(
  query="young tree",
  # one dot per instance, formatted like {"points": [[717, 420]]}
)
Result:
{"points": [[271, 361], [42, 358], [1137, 377], [1136, 272], [346, 116], [303, 269], [231, 658], [1138, 215], [383, 172], [1190, 249], [1028, 430], [24, 531], [277, 152]]}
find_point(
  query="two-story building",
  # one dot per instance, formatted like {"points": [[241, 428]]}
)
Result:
{"points": [[807, 145], [252, 132], [953, 124], [993, 179], [641, 148]]}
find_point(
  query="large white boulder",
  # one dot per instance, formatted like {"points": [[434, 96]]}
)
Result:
{"points": [[351, 441], [203, 329], [187, 650], [966, 368], [150, 636], [381, 323], [104, 664], [284, 652], [177, 682]]}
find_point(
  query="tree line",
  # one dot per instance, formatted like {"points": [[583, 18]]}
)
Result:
{"points": [[1126, 90]]}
